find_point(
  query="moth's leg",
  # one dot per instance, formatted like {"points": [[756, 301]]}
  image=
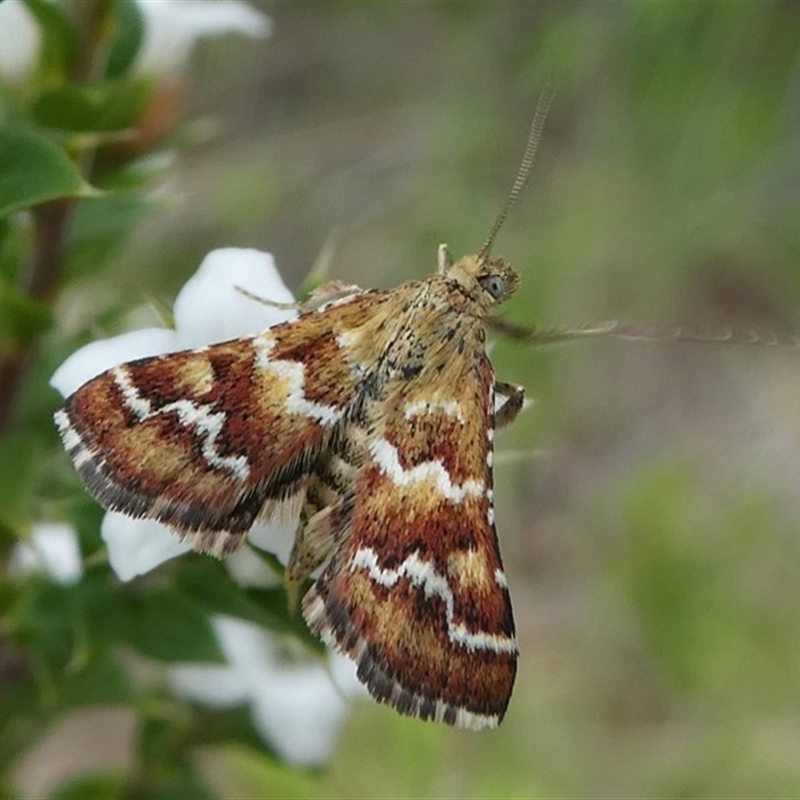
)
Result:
{"points": [[326, 293], [265, 301], [315, 540], [514, 397], [303, 561], [324, 520]]}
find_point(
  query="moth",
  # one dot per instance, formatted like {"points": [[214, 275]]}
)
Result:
{"points": [[374, 411]]}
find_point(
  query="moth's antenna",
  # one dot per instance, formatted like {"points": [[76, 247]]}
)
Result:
{"points": [[612, 329], [524, 171]]}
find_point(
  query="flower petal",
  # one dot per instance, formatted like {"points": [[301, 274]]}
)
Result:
{"points": [[295, 706], [298, 711], [96, 357], [343, 673], [136, 546], [20, 41], [52, 549], [208, 684], [209, 308], [173, 26], [276, 534], [249, 571], [247, 646]]}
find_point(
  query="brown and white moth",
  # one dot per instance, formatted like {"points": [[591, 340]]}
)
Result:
{"points": [[378, 410], [375, 411]]}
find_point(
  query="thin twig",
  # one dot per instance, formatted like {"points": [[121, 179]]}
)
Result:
{"points": [[50, 226]]}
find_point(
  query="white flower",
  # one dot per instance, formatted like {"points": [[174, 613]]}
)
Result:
{"points": [[53, 550], [171, 28], [297, 705], [135, 546], [275, 536], [208, 308], [20, 41]]}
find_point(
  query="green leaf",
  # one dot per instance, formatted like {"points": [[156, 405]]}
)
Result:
{"points": [[33, 170], [164, 624], [58, 38], [21, 316], [102, 107], [13, 110], [69, 632], [215, 726], [19, 699], [20, 457], [101, 681], [14, 249], [180, 782], [100, 228], [130, 25], [160, 737], [273, 605], [208, 584], [66, 633], [42, 619], [254, 772], [91, 786]]}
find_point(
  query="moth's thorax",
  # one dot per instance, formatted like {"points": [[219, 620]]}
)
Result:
{"points": [[422, 331]]}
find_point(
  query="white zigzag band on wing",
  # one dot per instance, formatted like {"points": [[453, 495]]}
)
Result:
{"points": [[386, 457], [424, 574], [451, 408], [293, 372], [207, 422]]}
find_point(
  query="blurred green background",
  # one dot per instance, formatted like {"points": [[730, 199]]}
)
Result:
{"points": [[648, 501]]}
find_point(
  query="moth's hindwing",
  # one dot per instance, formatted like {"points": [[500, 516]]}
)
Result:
{"points": [[416, 594]]}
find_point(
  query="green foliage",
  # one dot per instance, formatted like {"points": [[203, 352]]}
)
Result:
{"points": [[98, 109], [207, 586], [21, 316], [91, 787], [101, 229], [34, 170], [130, 35], [20, 456], [65, 648], [164, 625], [59, 40]]}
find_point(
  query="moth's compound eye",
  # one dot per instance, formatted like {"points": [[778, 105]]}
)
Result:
{"points": [[494, 284]]}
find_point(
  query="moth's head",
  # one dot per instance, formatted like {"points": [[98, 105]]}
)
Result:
{"points": [[488, 281]]}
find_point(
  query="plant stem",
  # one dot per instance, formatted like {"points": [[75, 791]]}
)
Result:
{"points": [[50, 229]]}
